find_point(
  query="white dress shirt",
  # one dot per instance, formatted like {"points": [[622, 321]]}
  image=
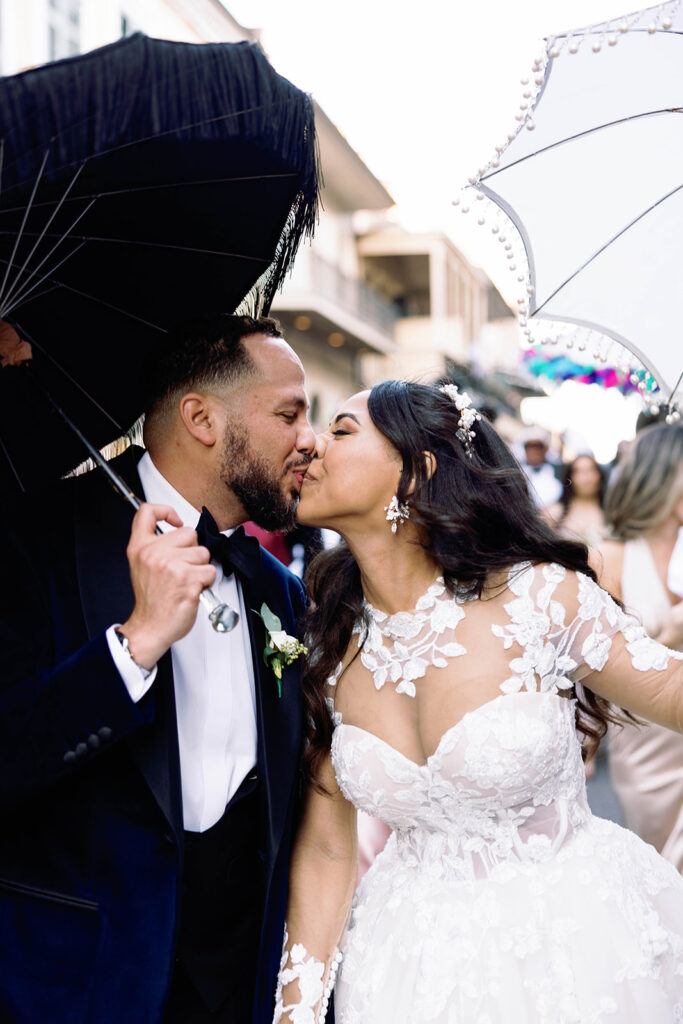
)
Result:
{"points": [[214, 686], [545, 487]]}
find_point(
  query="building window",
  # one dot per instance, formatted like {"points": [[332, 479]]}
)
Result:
{"points": [[63, 28]]}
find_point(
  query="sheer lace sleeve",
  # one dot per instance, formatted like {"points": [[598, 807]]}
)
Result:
{"points": [[614, 656], [314, 978], [321, 886]]}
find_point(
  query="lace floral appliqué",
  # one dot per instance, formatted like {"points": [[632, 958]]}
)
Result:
{"points": [[416, 639]]}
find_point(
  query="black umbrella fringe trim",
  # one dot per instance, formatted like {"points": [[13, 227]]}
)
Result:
{"points": [[301, 223], [140, 88]]}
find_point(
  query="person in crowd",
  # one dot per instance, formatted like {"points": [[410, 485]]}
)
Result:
{"points": [[578, 514], [544, 483], [459, 650], [644, 512], [148, 764], [675, 576]]}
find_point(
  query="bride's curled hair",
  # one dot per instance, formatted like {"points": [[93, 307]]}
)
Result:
{"points": [[476, 518]]}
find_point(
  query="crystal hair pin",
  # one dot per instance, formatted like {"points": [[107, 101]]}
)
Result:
{"points": [[468, 415]]}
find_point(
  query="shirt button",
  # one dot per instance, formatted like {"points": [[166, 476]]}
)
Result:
{"points": [[104, 732], [81, 749], [93, 741], [69, 757]]}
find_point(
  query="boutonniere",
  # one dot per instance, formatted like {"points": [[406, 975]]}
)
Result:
{"points": [[281, 648]]}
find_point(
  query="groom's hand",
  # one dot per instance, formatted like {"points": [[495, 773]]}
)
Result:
{"points": [[168, 572]]}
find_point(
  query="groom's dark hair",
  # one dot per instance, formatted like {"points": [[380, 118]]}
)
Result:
{"points": [[202, 353]]}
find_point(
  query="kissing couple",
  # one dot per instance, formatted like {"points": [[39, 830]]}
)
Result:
{"points": [[179, 839]]}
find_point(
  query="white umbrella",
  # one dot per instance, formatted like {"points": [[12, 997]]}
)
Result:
{"points": [[593, 181]]}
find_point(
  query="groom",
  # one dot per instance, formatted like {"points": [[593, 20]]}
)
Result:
{"points": [[148, 765]]}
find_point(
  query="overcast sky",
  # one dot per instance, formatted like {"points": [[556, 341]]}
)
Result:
{"points": [[422, 90]]}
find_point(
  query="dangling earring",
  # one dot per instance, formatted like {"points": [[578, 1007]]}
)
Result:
{"points": [[396, 512]]}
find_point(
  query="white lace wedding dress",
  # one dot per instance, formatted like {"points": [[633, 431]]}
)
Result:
{"points": [[500, 898]]}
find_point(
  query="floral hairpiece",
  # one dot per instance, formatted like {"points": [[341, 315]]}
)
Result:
{"points": [[468, 415]]}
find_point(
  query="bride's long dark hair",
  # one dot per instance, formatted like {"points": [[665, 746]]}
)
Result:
{"points": [[476, 517]]}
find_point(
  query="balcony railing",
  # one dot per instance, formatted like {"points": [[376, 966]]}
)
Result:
{"points": [[352, 295]]}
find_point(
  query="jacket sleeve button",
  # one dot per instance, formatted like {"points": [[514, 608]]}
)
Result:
{"points": [[93, 741], [69, 757], [104, 732], [81, 749]]}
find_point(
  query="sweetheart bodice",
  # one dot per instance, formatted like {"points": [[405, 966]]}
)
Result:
{"points": [[505, 782]]}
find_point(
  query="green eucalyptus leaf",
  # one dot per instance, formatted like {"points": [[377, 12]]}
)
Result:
{"points": [[271, 621]]}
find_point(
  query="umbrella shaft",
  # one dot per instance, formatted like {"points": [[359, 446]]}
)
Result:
{"points": [[222, 617]]}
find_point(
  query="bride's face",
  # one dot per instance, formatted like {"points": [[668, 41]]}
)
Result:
{"points": [[354, 473]]}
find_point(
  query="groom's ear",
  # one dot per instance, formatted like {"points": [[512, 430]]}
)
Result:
{"points": [[200, 416], [430, 470]]}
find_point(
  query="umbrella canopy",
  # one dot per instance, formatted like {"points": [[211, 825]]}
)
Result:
{"points": [[593, 181], [143, 183]]}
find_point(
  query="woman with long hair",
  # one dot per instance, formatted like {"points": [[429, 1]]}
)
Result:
{"points": [[578, 514], [644, 510], [460, 652]]}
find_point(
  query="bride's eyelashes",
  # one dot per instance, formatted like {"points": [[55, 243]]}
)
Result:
{"points": [[340, 433]]}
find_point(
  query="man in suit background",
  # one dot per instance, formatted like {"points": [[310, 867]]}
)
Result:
{"points": [[148, 767]]}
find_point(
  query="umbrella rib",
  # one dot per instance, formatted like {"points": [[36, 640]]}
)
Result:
{"points": [[47, 291], [153, 188], [65, 372], [580, 135], [12, 466], [23, 222], [162, 245], [675, 388], [12, 286], [16, 286], [108, 305], [22, 296], [607, 244], [179, 129]]}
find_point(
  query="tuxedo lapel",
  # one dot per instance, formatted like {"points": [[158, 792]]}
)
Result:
{"points": [[102, 528], [278, 720]]}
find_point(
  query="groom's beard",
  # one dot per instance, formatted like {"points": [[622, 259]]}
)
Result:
{"points": [[255, 483]]}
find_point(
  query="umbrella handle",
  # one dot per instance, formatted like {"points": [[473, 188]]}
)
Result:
{"points": [[222, 617]]}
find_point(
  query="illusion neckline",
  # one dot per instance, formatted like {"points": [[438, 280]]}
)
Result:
{"points": [[435, 589]]}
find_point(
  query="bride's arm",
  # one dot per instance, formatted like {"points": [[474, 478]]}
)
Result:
{"points": [[645, 678], [617, 660], [322, 881]]}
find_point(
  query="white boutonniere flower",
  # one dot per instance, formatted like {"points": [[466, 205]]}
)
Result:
{"points": [[281, 648]]}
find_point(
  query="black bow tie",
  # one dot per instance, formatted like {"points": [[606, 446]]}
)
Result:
{"points": [[238, 553]]}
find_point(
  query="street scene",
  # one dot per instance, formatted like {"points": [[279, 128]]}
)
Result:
{"points": [[341, 461]]}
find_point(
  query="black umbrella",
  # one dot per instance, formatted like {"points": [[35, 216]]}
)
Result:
{"points": [[143, 183], [140, 184]]}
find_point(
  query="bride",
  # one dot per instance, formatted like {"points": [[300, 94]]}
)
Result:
{"points": [[461, 654]]}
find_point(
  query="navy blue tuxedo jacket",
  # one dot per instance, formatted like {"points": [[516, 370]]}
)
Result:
{"points": [[91, 845]]}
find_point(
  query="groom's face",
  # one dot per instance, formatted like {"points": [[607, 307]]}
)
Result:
{"points": [[268, 441]]}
